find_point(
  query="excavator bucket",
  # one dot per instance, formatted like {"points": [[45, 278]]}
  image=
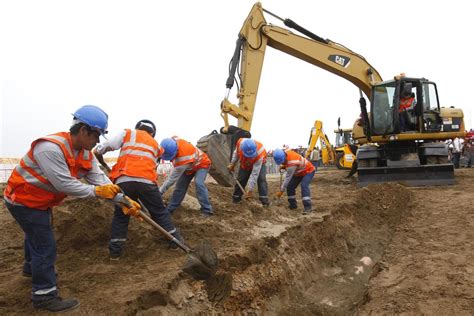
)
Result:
{"points": [[218, 148]]}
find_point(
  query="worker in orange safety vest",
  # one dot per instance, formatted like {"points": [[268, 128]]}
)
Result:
{"points": [[299, 170], [252, 170], [135, 173], [189, 163], [44, 177]]}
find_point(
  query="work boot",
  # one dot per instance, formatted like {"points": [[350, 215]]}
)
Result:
{"points": [[307, 211], [172, 245], [207, 214], [115, 255], [57, 304]]}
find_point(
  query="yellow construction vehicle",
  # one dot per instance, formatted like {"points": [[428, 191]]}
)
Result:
{"points": [[344, 147], [416, 155], [328, 156]]}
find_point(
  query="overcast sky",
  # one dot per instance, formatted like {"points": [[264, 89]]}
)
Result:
{"points": [[167, 61]]}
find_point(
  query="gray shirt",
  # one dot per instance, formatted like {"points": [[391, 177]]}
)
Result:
{"points": [[52, 162], [173, 177], [290, 171]]}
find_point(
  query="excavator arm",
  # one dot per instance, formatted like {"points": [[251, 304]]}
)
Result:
{"points": [[254, 37], [327, 151]]}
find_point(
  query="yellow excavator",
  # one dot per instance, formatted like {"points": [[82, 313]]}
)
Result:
{"points": [[415, 154], [328, 156]]}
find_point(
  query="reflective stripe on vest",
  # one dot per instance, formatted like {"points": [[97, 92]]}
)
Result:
{"points": [[28, 184], [137, 157], [188, 154], [303, 166]]}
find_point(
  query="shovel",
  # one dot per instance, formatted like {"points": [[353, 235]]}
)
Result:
{"points": [[277, 200], [201, 262]]}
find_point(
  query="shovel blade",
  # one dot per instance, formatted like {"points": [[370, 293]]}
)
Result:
{"points": [[201, 263]]}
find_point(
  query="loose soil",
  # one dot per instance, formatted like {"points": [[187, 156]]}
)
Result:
{"points": [[384, 249]]}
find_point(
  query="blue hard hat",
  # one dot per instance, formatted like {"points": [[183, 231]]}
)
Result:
{"points": [[279, 156], [92, 116], [249, 148], [170, 148]]}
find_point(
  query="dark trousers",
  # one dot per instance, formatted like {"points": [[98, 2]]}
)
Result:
{"points": [[305, 191], [151, 198], [243, 177], [456, 159], [40, 249]]}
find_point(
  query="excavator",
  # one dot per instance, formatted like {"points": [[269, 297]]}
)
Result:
{"points": [[328, 155], [415, 154]]}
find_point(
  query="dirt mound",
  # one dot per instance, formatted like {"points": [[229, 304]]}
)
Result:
{"points": [[272, 260]]}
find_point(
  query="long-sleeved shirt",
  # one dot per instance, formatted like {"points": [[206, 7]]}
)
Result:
{"points": [[257, 166], [173, 177], [290, 171], [115, 143], [51, 160]]}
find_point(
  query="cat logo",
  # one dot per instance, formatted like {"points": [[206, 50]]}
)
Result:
{"points": [[343, 61]]}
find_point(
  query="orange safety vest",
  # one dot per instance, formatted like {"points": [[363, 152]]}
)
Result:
{"points": [[406, 103], [28, 184], [303, 165], [247, 163], [187, 153], [137, 157]]}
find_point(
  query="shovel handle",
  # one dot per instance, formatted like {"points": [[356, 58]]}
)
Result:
{"points": [[238, 183], [170, 237]]}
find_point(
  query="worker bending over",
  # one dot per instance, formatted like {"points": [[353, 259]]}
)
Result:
{"points": [[189, 162], [252, 170], [135, 173], [44, 177], [298, 171]]}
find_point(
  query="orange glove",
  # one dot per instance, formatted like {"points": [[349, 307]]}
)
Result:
{"points": [[248, 195], [279, 194], [231, 167], [107, 191], [133, 209]]}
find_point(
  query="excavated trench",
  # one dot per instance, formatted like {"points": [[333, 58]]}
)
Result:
{"points": [[271, 260]]}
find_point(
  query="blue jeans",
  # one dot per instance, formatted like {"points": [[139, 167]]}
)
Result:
{"points": [[181, 188], [40, 249], [150, 196], [243, 177], [305, 181]]}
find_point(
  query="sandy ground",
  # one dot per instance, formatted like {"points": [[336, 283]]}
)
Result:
{"points": [[385, 249]]}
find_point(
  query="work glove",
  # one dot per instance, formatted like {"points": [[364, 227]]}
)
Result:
{"points": [[279, 194], [107, 191], [248, 195], [231, 167], [132, 209]]}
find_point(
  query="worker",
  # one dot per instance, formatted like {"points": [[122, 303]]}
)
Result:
{"points": [[457, 150], [407, 102], [135, 173], [44, 177], [314, 157], [189, 162], [298, 171], [252, 156]]}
